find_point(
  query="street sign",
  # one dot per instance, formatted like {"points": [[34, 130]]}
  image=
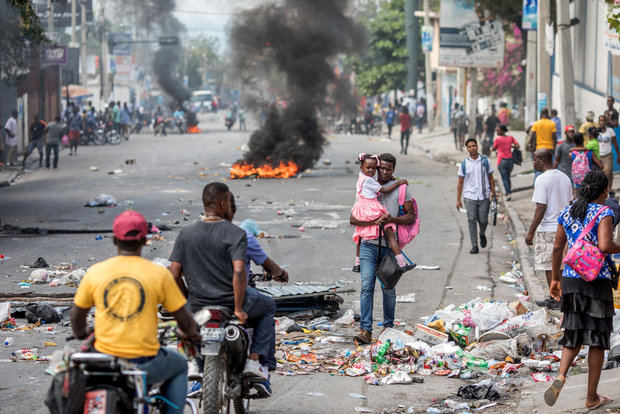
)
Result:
{"points": [[119, 43], [530, 15], [54, 55], [168, 40], [427, 38]]}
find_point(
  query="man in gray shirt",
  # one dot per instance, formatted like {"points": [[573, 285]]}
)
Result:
{"points": [[563, 161], [55, 130], [370, 256]]}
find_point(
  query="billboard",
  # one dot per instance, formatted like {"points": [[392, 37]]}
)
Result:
{"points": [[530, 15], [62, 12], [467, 39], [118, 43], [54, 55], [427, 38]]}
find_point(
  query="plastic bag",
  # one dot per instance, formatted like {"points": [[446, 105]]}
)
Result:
{"points": [[398, 377], [488, 315], [499, 349], [347, 319], [410, 298], [36, 311], [102, 200], [5, 311], [65, 141], [39, 276], [532, 323], [283, 323]]}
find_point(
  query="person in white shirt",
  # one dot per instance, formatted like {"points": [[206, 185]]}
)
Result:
{"points": [[607, 138], [552, 192], [10, 133], [475, 185]]}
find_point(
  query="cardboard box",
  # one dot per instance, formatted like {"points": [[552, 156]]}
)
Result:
{"points": [[429, 335], [517, 308], [463, 335]]}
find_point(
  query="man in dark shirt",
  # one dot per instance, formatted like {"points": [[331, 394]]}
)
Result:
{"points": [[37, 131], [611, 115], [211, 255], [489, 126]]}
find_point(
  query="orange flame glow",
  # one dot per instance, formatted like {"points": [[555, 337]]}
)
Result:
{"points": [[243, 170], [193, 130]]}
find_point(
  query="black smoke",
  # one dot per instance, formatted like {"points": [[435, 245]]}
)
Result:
{"points": [[288, 51], [157, 16]]}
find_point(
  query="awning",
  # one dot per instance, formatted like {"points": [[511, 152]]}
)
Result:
{"points": [[76, 91]]}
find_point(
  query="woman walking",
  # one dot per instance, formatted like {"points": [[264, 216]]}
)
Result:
{"points": [[503, 144], [587, 306]]}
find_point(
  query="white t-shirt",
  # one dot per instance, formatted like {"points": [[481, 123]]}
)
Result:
{"points": [[370, 187], [604, 141], [11, 125], [554, 189], [473, 179]]}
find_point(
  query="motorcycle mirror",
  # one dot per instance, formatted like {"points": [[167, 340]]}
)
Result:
{"points": [[202, 316]]}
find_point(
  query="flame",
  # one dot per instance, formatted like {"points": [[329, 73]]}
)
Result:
{"points": [[193, 130], [242, 170]]}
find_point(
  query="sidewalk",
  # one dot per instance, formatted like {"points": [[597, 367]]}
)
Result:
{"points": [[439, 145]]}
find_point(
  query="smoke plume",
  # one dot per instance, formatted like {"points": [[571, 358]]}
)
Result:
{"points": [[157, 15], [288, 52]]}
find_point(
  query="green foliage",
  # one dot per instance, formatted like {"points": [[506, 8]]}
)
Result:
{"points": [[203, 63], [613, 15], [382, 66]]}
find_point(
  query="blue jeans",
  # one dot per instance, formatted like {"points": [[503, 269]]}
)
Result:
{"points": [[171, 368], [505, 168], [368, 265], [261, 312]]}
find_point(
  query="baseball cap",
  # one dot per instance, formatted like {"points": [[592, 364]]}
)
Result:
{"points": [[569, 127], [129, 221]]}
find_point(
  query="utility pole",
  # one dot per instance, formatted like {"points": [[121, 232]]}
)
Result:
{"points": [[530, 78], [103, 58], [412, 42], [428, 76], [567, 90], [472, 108], [50, 16], [73, 12], [544, 61], [82, 42]]}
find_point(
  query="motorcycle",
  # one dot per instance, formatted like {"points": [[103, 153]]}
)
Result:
{"points": [[160, 124]]}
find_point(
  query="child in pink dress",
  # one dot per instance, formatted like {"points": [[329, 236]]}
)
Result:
{"points": [[368, 208]]}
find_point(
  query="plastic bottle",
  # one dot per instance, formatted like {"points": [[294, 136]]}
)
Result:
{"points": [[324, 327], [380, 358], [8, 341], [455, 405], [471, 360]]}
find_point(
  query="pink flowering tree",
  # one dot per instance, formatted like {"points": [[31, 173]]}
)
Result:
{"points": [[509, 78]]}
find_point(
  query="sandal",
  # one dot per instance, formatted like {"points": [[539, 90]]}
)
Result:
{"points": [[551, 395], [602, 400]]}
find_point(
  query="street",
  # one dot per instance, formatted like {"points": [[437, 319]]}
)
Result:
{"points": [[168, 175]]}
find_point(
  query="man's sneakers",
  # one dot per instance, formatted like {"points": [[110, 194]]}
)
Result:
{"points": [[364, 337], [193, 372], [263, 389], [254, 370], [483, 241], [356, 269], [549, 303], [474, 250]]}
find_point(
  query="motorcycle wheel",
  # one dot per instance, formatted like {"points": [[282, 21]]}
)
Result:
{"points": [[99, 138], [241, 406], [114, 138], [84, 139], [214, 383]]}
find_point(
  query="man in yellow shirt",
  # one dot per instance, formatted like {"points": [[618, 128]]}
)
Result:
{"points": [[126, 291], [583, 129], [544, 131]]}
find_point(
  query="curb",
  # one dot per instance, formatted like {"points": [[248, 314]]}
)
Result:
{"points": [[535, 287]]}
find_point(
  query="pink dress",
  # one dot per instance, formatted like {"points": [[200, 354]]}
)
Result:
{"points": [[368, 208]]}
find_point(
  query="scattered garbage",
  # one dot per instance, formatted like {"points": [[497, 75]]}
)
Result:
{"points": [[102, 200], [347, 319], [320, 224], [41, 312], [72, 278], [410, 298], [40, 262], [358, 396], [39, 276], [8, 341], [481, 390]]}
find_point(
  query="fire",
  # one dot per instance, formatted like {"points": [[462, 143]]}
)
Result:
{"points": [[193, 130], [243, 170]]}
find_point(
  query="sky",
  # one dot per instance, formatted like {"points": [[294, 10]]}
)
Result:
{"points": [[210, 17]]}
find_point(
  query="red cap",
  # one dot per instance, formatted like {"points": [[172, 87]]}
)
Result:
{"points": [[569, 127], [129, 221]]}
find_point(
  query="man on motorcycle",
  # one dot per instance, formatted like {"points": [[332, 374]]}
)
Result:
{"points": [[211, 255], [126, 291]]}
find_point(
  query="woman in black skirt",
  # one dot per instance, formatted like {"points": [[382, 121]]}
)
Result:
{"points": [[587, 306]]}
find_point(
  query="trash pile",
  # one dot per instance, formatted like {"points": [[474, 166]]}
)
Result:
{"points": [[68, 274]]}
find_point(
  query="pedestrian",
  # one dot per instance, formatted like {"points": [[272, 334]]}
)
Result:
{"points": [[558, 125], [588, 124], [453, 127], [390, 116], [55, 131], [503, 145], [504, 114], [11, 139], [367, 208], [37, 132], [420, 114], [490, 125], [583, 161], [607, 138], [462, 126], [116, 111], [592, 141], [475, 185], [241, 116], [542, 135], [75, 125], [479, 126], [405, 129], [611, 115], [587, 306], [368, 117], [552, 192], [563, 161], [125, 121], [370, 255]]}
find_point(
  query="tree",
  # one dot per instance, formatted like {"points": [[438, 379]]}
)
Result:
{"points": [[20, 34], [509, 78], [382, 67], [203, 62], [613, 15]]}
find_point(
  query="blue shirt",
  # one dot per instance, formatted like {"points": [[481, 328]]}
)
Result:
{"points": [[75, 123], [389, 117], [125, 118], [558, 127], [573, 228], [253, 252]]}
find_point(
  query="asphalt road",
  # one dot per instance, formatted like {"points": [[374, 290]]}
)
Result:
{"points": [[168, 176]]}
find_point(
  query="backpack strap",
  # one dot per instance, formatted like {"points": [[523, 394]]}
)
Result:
{"points": [[402, 193]]}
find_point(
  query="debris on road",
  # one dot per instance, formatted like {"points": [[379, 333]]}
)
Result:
{"points": [[102, 200]]}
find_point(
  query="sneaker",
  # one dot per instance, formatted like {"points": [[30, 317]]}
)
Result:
{"points": [[364, 337], [263, 389], [193, 372], [356, 269], [407, 267], [254, 369], [483, 241], [474, 250], [549, 303]]}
